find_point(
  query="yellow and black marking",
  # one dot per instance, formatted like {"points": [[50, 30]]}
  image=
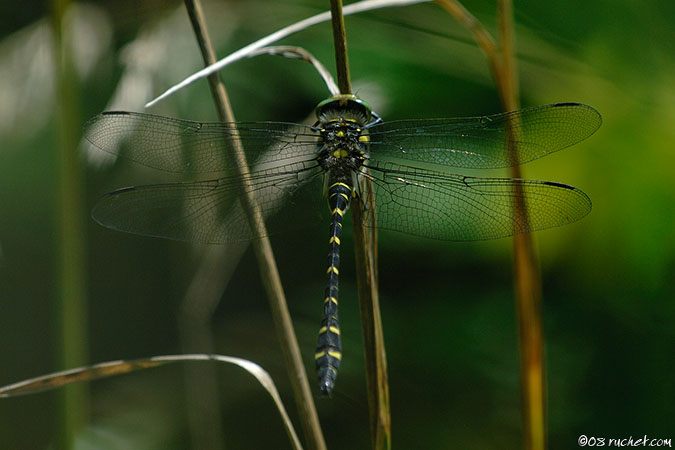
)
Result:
{"points": [[342, 150], [329, 349]]}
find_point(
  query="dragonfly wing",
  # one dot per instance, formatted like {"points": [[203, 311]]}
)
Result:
{"points": [[500, 140], [211, 211], [176, 145], [458, 208]]}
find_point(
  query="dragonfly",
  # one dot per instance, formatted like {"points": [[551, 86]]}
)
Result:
{"points": [[295, 167]]}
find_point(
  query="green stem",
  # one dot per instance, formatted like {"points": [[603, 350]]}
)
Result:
{"points": [[71, 303]]}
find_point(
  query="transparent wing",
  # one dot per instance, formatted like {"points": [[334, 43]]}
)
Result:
{"points": [[501, 140], [458, 208], [176, 145], [211, 211]]}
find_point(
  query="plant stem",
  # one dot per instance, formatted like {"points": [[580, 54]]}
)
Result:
{"points": [[340, 44], [377, 381], [71, 305], [527, 278], [365, 245], [263, 250]]}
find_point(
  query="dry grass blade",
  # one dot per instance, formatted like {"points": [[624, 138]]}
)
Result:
{"points": [[263, 250], [377, 379], [353, 8], [112, 368]]}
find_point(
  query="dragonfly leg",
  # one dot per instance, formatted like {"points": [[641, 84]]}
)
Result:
{"points": [[378, 120]]}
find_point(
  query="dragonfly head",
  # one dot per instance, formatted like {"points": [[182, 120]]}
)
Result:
{"points": [[344, 107]]}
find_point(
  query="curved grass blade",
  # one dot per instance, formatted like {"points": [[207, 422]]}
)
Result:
{"points": [[293, 52], [111, 368], [244, 52]]}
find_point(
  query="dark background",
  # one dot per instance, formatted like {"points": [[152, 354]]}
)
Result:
{"points": [[448, 308]]}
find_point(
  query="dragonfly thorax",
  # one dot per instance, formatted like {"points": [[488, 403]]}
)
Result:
{"points": [[342, 147]]}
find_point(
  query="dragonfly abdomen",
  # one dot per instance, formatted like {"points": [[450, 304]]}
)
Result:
{"points": [[329, 349]]}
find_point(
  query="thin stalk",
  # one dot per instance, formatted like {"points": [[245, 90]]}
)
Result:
{"points": [[71, 303], [508, 90], [263, 250], [365, 244], [340, 44], [377, 379], [527, 278]]}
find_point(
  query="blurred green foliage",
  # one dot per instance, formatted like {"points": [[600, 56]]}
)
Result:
{"points": [[448, 308]]}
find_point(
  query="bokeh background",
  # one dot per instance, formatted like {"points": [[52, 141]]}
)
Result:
{"points": [[448, 308]]}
